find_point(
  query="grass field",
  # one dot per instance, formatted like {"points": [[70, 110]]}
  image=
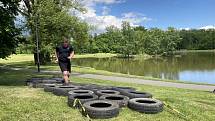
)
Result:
{"points": [[19, 102]]}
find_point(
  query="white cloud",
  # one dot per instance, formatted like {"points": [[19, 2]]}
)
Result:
{"points": [[208, 27], [100, 22], [135, 18], [105, 10], [185, 28], [94, 2]]}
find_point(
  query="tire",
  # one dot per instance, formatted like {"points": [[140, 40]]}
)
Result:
{"points": [[78, 84], [49, 87], [107, 88], [121, 89], [73, 92], [136, 94], [146, 105], [101, 109], [57, 79], [49, 81], [105, 92], [37, 85], [63, 90], [92, 87], [35, 79], [119, 99], [82, 97]]}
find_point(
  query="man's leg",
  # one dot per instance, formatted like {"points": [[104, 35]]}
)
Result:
{"points": [[69, 69], [63, 67], [66, 76]]}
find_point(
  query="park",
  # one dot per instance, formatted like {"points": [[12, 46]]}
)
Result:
{"points": [[175, 67]]}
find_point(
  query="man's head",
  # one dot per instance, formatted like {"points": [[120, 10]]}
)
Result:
{"points": [[65, 42]]}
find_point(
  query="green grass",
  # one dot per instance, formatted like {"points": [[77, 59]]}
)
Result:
{"points": [[19, 102], [97, 55], [26, 61]]}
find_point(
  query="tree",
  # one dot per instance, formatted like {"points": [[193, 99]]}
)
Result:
{"points": [[160, 42], [55, 22], [170, 41], [9, 34], [140, 37], [152, 43], [127, 44]]}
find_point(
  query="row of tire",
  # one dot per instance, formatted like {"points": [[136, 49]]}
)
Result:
{"points": [[101, 101]]}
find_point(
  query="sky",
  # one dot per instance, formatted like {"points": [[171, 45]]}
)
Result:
{"points": [[181, 14]]}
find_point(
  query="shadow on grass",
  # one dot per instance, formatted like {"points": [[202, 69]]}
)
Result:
{"points": [[17, 77]]}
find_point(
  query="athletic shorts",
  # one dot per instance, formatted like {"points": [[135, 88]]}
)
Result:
{"points": [[65, 66]]}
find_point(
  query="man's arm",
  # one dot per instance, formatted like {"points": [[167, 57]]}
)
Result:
{"points": [[56, 54], [71, 55]]}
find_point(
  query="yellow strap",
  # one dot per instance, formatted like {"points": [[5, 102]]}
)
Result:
{"points": [[178, 112], [76, 102]]}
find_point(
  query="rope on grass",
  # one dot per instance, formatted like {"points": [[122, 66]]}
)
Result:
{"points": [[178, 112], [83, 110]]}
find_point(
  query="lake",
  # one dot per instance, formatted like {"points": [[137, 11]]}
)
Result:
{"points": [[188, 66]]}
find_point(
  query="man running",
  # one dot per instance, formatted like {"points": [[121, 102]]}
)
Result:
{"points": [[64, 53]]}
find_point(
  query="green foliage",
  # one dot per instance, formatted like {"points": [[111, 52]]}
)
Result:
{"points": [[9, 34], [127, 44], [55, 22], [137, 40], [197, 39]]}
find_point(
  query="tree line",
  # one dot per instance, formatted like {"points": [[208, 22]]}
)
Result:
{"points": [[139, 40], [54, 21]]}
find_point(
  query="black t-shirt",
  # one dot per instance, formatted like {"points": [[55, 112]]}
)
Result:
{"points": [[64, 53]]}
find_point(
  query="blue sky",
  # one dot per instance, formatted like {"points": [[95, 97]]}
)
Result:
{"points": [[152, 13]]}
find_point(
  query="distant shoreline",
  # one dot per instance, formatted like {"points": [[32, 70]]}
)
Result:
{"points": [[194, 51]]}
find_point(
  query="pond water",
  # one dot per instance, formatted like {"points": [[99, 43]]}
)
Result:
{"points": [[188, 66]]}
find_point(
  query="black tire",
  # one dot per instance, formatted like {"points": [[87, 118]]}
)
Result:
{"points": [[105, 92], [101, 109], [63, 90], [92, 87], [136, 94], [86, 92], [57, 79], [49, 87], [146, 105], [35, 79], [121, 89], [30, 84], [82, 97], [78, 84], [37, 85], [49, 81], [119, 99]]}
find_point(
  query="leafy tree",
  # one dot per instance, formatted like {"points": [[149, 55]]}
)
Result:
{"points": [[197, 39], [140, 38], [9, 34], [127, 44], [152, 43], [170, 41], [160, 42], [55, 22]]}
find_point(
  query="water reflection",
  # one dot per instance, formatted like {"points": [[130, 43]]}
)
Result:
{"points": [[196, 67]]}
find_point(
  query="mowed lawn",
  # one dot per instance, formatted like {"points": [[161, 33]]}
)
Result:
{"points": [[19, 102]]}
